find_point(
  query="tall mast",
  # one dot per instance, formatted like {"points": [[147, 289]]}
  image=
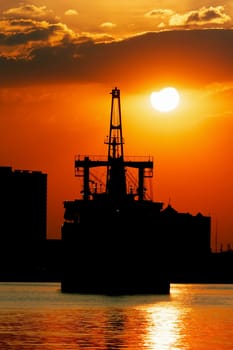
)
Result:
{"points": [[116, 180], [115, 142]]}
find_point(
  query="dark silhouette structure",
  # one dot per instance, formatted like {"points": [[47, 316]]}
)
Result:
{"points": [[117, 241], [189, 239], [23, 221]]}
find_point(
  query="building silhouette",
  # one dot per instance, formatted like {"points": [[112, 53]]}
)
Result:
{"points": [[23, 215], [189, 242], [27, 255]]}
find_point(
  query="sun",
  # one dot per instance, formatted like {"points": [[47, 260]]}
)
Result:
{"points": [[165, 100]]}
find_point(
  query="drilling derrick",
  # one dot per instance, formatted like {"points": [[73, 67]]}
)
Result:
{"points": [[116, 164], [116, 177]]}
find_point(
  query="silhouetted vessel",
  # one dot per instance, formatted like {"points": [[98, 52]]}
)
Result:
{"points": [[117, 241], [110, 238]]}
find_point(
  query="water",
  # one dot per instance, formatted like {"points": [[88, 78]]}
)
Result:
{"points": [[38, 316]]}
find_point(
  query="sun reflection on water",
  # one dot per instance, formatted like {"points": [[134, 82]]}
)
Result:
{"points": [[37, 316], [163, 327]]}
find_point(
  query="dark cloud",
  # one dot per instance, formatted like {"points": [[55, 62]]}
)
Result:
{"points": [[160, 13], [207, 14], [18, 32], [201, 17], [28, 26], [19, 38], [29, 11], [200, 56]]}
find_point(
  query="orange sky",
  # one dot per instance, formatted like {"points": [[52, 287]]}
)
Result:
{"points": [[58, 63]]}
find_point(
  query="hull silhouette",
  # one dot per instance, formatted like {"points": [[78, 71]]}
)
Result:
{"points": [[113, 250]]}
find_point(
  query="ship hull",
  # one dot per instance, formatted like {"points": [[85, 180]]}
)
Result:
{"points": [[114, 256]]}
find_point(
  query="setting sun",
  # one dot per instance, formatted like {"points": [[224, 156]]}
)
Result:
{"points": [[165, 100]]}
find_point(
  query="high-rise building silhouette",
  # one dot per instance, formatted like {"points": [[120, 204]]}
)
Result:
{"points": [[23, 216]]}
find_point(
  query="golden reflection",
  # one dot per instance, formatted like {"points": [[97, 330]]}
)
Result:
{"points": [[163, 327]]}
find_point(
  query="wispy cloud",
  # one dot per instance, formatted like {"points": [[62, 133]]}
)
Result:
{"points": [[159, 13], [71, 12], [204, 16], [29, 11], [108, 25]]}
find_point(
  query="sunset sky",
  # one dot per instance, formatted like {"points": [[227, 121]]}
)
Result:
{"points": [[60, 59]]}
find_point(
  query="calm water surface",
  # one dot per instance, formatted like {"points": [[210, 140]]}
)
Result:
{"points": [[39, 316]]}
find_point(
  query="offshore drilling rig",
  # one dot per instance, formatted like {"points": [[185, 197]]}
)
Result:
{"points": [[115, 240], [111, 240]]}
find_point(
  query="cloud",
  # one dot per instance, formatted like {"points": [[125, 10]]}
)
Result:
{"points": [[159, 13], [108, 25], [71, 12], [201, 17], [205, 15], [26, 27], [198, 56], [29, 11]]}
